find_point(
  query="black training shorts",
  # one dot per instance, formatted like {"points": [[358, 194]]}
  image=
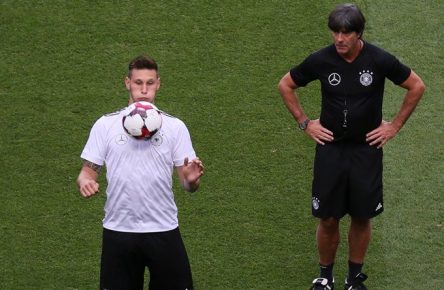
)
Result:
{"points": [[347, 179], [126, 255]]}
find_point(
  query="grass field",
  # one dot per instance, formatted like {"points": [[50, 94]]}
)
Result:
{"points": [[250, 226]]}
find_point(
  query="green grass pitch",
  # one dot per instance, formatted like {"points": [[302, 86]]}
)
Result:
{"points": [[62, 65]]}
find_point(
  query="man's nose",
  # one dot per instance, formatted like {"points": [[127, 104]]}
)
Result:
{"points": [[340, 36]]}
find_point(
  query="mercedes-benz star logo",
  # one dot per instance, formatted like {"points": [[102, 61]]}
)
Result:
{"points": [[121, 139], [334, 79]]}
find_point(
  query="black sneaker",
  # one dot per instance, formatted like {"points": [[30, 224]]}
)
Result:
{"points": [[356, 283], [322, 284]]}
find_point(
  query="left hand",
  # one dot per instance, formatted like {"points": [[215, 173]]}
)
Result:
{"points": [[318, 132], [192, 170], [381, 135]]}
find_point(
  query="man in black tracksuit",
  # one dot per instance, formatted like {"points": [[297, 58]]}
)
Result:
{"points": [[350, 134]]}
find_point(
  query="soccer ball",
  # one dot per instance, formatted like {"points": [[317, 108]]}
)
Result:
{"points": [[142, 121]]}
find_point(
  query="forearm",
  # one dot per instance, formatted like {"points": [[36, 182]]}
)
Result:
{"points": [[287, 90], [415, 90], [291, 101], [411, 100], [87, 180]]}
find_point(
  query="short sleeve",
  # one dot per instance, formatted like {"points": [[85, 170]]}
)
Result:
{"points": [[393, 69], [183, 146], [304, 73], [94, 149], [398, 72]]}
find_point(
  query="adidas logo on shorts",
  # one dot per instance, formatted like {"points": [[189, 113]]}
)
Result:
{"points": [[378, 207]]}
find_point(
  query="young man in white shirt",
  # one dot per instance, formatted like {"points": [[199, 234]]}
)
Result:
{"points": [[140, 227]]}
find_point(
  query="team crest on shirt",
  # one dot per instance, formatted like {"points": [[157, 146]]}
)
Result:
{"points": [[157, 140], [121, 139], [315, 203], [366, 77]]}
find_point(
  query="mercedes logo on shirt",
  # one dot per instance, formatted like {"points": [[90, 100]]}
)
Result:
{"points": [[121, 139], [334, 79]]}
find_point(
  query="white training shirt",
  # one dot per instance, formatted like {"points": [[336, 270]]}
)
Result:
{"points": [[139, 172]]}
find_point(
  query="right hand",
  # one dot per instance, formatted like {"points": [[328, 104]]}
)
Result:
{"points": [[318, 132], [88, 187]]}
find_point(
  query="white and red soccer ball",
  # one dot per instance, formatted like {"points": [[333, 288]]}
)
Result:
{"points": [[142, 121]]}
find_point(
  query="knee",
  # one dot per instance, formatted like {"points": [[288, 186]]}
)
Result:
{"points": [[360, 223], [329, 222], [329, 225]]}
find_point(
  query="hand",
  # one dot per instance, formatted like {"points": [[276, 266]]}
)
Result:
{"points": [[192, 170], [88, 187], [318, 132], [381, 135]]}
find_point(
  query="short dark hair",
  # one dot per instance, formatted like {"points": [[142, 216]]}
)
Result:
{"points": [[142, 62], [346, 18]]}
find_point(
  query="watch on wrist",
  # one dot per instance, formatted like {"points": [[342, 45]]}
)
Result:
{"points": [[304, 124]]}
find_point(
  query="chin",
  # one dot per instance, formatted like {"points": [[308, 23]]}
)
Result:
{"points": [[150, 100], [341, 49]]}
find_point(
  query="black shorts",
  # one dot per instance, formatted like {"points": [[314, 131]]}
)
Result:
{"points": [[126, 255], [347, 179]]}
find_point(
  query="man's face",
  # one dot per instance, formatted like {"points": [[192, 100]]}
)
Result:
{"points": [[143, 85], [346, 43]]}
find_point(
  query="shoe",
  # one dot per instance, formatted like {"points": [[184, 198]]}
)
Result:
{"points": [[356, 283], [322, 284]]}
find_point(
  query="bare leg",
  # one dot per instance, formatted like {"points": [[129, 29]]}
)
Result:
{"points": [[327, 238], [358, 239]]}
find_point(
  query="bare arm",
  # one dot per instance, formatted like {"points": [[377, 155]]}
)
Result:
{"points": [[190, 173], [287, 89], [387, 130], [87, 179]]}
